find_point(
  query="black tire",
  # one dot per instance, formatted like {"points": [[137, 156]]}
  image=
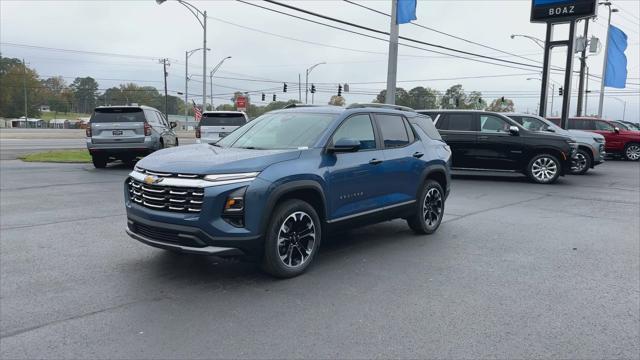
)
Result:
{"points": [[289, 223], [177, 142], [632, 152], [161, 144], [544, 169], [582, 164], [429, 209], [99, 161]]}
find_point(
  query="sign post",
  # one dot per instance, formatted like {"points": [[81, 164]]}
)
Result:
{"points": [[554, 12]]}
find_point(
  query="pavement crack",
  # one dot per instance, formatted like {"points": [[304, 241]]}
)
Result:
{"points": [[59, 222], [496, 208]]}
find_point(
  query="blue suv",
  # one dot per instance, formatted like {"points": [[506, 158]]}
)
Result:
{"points": [[275, 186]]}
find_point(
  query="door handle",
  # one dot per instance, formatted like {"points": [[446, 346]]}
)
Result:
{"points": [[375, 161], [483, 137], [418, 155]]}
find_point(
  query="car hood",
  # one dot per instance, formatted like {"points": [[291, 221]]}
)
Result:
{"points": [[208, 159]]}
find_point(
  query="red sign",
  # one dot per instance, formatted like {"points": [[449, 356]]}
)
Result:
{"points": [[241, 103]]}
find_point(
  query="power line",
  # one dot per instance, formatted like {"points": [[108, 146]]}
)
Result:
{"points": [[97, 53]]}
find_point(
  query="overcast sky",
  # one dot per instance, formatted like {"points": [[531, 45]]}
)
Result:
{"points": [[144, 29]]}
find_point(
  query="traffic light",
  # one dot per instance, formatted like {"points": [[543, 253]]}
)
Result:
{"points": [[457, 103], [339, 90], [274, 97], [560, 91], [263, 96], [284, 88], [502, 99], [313, 89]]}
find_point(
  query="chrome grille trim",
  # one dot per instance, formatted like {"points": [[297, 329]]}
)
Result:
{"points": [[161, 197], [187, 183]]}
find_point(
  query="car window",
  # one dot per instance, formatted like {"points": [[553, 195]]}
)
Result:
{"points": [[222, 119], [603, 126], [459, 122], [530, 123], [394, 133], [115, 115], [152, 118], [492, 124], [426, 124], [162, 119], [620, 125], [581, 124], [357, 127]]}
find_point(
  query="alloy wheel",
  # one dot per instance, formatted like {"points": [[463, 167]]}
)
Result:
{"points": [[432, 207], [544, 169], [580, 163], [633, 152], [296, 239]]}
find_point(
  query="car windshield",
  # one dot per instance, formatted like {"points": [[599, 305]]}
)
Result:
{"points": [[285, 130], [117, 115], [621, 125], [222, 119], [632, 126]]}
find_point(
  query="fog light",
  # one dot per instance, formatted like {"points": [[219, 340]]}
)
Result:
{"points": [[233, 211]]}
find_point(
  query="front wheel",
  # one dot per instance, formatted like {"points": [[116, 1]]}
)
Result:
{"points": [[429, 210], [582, 163], [292, 239], [632, 152], [544, 169], [99, 161]]}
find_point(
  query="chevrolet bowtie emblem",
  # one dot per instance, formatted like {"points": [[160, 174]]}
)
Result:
{"points": [[150, 180]]}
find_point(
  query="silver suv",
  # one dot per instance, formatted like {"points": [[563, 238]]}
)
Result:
{"points": [[215, 125], [127, 132], [590, 145]]}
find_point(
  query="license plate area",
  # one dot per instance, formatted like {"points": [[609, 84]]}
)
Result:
{"points": [[117, 132]]}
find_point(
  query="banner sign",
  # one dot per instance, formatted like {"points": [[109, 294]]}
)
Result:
{"points": [[558, 11]]}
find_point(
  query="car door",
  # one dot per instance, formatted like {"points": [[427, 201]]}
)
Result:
{"points": [[402, 166], [458, 130], [355, 179], [613, 140], [496, 148]]}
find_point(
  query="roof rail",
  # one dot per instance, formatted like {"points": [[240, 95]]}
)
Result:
{"points": [[295, 105], [381, 106]]}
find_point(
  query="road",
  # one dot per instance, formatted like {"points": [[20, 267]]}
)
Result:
{"points": [[517, 270]]}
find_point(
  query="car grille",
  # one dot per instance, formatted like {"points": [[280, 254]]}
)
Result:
{"points": [[164, 235], [168, 198]]}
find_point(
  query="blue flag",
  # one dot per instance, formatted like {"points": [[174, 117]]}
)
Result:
{"points": [[616, 73], [406, 11]]}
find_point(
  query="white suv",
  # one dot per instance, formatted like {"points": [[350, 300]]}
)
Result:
{"points": [[215, 125]]}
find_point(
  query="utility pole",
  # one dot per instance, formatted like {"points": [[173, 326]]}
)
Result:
{"points": [[553, 94], [583, 66], [299, 87], [586, 95], [165, 63], [24, 84], [392, 67], [606, 59]]}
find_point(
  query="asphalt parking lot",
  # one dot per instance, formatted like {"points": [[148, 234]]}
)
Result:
{"points": [[517, 270]]}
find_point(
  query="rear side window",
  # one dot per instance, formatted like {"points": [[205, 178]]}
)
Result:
{"points": [[458, 122], [394, 133], [580, 124], [222, 120], [115, 115], [604, 126], [426, 124]]}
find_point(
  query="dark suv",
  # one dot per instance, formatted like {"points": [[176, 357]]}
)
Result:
{"points": [[482, 140], [276, 185]]}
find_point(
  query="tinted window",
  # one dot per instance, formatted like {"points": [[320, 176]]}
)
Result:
{"points": [[394, 133], [152, 117], [359, 128], [620, 125], [426, 124], [459, 122], [285, 130], [530, 123], [222, 120], [580, 124], [603, 126], [117, 115], [489, 123]]}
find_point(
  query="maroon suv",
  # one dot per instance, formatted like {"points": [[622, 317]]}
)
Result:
{"points": [[618, 141]]}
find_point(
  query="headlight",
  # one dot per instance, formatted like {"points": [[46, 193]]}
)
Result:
{"points": [[231, 178]]}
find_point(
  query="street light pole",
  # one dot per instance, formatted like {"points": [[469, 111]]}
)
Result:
{"points": [[203, 23], [553, 91], [306, 94], [538, 42], [606, 58], [211, 77], [624, 108], [187, 54]]}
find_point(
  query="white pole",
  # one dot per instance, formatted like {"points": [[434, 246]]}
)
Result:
{"points": [[392, 67], [186, 86], [204, 63], [604, 66]]}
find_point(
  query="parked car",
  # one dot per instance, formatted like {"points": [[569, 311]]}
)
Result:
{"points": [[623, 125], [215, 125], [631, 125], [275, 186], [126, 133], [619, 142], [591, 146], [482, 140]]}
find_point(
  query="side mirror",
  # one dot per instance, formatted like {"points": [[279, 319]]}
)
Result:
{"points": [[514, 130], [173, 124], [616, 129], [345, 145]]}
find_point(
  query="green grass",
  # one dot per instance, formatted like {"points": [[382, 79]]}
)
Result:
{"points": [[46, 116], [59, 156]]}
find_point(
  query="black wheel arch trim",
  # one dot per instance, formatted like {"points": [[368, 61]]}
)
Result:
{"points": [[281, 190], [433, 169]]}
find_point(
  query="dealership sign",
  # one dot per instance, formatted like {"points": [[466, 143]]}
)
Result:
{"points": [[555, 11], [241, 103]]}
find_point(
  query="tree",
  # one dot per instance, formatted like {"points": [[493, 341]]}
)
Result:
{"points": [[475, 101], [85, 93], [402, 97], [423, 98], [337, 100], [456, 98], [14, 79], [55, 93], [498, 105]]}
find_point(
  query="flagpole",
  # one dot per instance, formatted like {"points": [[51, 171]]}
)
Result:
{"points": [[392, 67], [606, 59]]}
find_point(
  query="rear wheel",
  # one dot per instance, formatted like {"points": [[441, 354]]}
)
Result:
{"points": [[632, 152], [582, 163], [99, 161], [429, 210], [544, 169], [292, 239]]}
